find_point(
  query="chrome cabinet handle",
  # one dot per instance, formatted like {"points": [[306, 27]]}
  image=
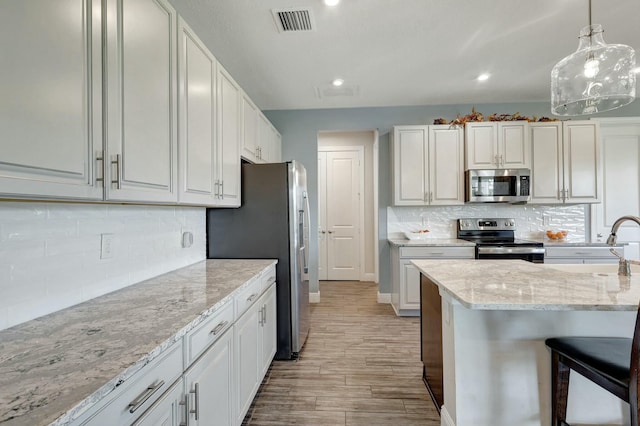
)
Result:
{"points": [[144, 396], [252, 297], [261, 317], [99, 159], [222, 189], [186, 411], [196, 392], [118, 164], [430, 197], [216, 189], [331, 232], [219, 327], [264, 313]]}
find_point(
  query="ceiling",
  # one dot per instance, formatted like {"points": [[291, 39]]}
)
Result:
{"points": [[402, 52]]}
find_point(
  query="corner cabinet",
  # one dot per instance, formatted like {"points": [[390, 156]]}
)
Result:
{"points": [[427, 165], [405, 278], [565, 162], [51, 133], [497, 145], [141, 104]]}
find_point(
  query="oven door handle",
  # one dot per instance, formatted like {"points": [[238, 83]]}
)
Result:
{"points": [[510, 250]]}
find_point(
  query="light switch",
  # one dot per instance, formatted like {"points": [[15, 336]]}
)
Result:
{"points": [[106, 246]]}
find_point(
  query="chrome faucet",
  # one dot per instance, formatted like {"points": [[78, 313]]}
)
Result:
{"points": [[624, 266]]}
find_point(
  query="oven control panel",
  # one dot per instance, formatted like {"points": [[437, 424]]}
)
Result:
{"points": [[495, 224]]}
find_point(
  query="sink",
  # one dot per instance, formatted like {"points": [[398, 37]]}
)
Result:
{"points": [[591, 268]]}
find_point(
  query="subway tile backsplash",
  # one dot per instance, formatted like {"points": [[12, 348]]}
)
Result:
{"points": [[50, 252], [531, 220]]}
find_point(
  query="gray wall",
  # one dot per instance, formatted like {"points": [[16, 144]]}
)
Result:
{"points": [[299, 129]]}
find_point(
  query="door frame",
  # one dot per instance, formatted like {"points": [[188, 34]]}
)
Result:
{"points": [[360, 150]]}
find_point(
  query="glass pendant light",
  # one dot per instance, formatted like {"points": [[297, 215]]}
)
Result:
{"points": [[597, 77]]}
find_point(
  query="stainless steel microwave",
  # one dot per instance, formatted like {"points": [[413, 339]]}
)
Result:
{"points": [[497, 186]]}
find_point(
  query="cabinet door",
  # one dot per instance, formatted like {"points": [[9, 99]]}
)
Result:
{"points": [[277, 146], [210, 387], [249, 129], [268, 330], [513, 145], [409, 165], [247, 354], [546, 162], [141, 101], [228, 141], [446, 185], [481, 145], [409, 286], [582, 174], [196, 117], [263, 154], [51, 99], [167, 411]]}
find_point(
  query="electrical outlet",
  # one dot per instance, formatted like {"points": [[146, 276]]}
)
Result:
{"points": [[187, 238], [546, 220], [106, 246]]}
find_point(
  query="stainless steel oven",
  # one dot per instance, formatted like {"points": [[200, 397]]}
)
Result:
{"points": [[495, 239], [497, 186]]}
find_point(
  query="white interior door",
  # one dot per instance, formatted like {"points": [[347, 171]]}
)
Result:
{"points": [[620, 154], [322, 216], [343, 180]]}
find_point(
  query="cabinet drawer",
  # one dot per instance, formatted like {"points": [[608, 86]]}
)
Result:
{"points": [[248, 297], [200, 338], [268, 277], [581, 252], [438, 252], [139, 392]]}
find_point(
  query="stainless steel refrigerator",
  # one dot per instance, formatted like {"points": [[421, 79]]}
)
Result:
{"points": [[272, 223]]}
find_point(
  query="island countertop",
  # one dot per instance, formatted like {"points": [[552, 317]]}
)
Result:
{"points": [[520, 285], [66, 361]]}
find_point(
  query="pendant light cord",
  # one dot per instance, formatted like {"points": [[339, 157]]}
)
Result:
{"points": [[589, 13]]}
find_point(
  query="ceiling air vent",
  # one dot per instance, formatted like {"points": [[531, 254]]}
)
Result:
{"points": [[293, 20]]}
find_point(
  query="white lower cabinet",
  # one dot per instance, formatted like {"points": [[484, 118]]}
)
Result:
{"points": [[209, 385], [167, 410], [405, 278], [210, 377], [255, 346], [581, 254]]}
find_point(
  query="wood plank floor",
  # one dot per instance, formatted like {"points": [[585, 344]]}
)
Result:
{"points": [[360, 366]]}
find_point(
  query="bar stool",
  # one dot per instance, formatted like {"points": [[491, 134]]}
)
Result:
{"points": [[609, 362]]}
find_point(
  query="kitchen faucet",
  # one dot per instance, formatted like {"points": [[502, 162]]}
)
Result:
{"points": [[624, 266]]}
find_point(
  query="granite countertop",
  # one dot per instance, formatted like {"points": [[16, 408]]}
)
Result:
{"points": [[429, 242], [520, 285], [57, 365]]}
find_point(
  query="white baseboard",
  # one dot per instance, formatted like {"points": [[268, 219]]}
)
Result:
{"points": [[445, 418], [370, 276], [314, 297], [384, 297]]}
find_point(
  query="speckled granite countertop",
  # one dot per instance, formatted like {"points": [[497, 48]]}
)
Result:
{"points": [[430, 242], [520, 285], [59, 363]]}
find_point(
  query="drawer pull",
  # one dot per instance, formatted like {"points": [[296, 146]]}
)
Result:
{"points": [[252, 297], [196, 392], [219, 327], [144, 396], [186, 411], [583, 252]]}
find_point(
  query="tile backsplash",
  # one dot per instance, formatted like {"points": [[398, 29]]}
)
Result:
{"points": [[50, 253], [531, 220]]}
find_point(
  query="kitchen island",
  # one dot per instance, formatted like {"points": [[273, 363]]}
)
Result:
{"points": [[495, 316]]}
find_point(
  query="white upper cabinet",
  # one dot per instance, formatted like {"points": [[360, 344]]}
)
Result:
{"points": [[581, 151], [565, 162], [497, 145], [141, 102], [249, 128], [427, 165], [196, 117], [546, 162], [265, 140], [228, 142], [51, 100]]}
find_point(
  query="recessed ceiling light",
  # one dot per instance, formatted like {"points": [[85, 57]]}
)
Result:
{"points": [[483, 77], [338, 82], [331, 2]]}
